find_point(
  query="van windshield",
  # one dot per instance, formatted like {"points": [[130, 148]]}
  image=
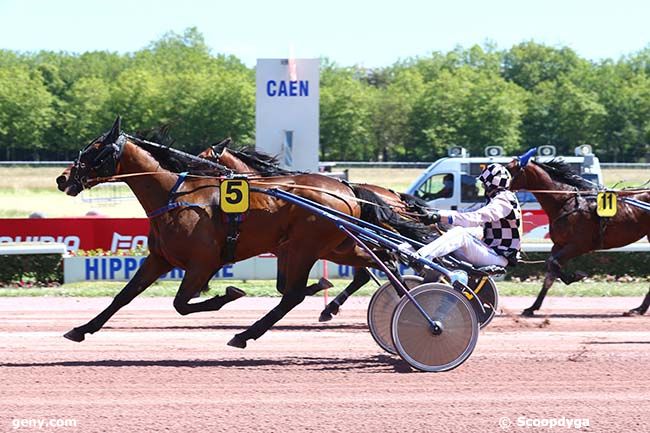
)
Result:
{"points": [[437, 186]]}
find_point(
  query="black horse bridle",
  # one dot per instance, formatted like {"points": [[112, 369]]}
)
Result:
{"points": [[104, 164]]}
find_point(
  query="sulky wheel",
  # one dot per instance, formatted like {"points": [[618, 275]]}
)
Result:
{"points": [[380, 311], [487, 292], [441, 349]]}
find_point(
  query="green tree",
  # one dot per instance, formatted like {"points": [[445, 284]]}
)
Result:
{"points": [[530, 63], [208, 106], [563, 114], [138, 96], [392, 109], [86, 112], [467, 108], [345, 116], [25, 112]]}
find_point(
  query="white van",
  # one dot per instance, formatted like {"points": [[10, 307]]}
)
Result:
{"points": [[451, 182]]}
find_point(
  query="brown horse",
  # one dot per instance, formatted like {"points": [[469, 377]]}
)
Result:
{"points": [[396, 210], [569, 202], [191, 234]]}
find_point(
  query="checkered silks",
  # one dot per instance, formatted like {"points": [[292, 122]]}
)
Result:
{"points": [[504, 235]]}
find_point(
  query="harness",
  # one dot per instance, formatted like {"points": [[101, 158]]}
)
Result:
{"points": [[171, 199], [232, 220]]}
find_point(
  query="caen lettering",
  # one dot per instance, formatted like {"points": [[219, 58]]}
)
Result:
{"points": [[287, 88]]}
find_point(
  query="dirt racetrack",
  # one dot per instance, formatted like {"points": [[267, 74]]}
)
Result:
{"points": [[152, 370]]}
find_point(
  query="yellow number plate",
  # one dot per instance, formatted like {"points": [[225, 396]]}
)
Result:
{"points": [[606, 204], [234, 196]]}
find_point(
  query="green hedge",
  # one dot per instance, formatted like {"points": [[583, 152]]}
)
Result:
{"points": [[602, 264], [48, 268], [38, 268]]}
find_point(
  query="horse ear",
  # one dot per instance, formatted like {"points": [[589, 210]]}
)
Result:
{"points": [[221, 146], [115, 131]]}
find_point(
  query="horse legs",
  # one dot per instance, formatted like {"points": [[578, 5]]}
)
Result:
{"points": [[549, 279], [361, 277], [187, 290], [559, 256], [152, 268], [292, 281], [641, 309]]}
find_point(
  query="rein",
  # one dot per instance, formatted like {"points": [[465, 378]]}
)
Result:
{"points": [[173, 205]]}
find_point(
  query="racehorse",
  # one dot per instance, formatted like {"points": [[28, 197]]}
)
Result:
{"points": [[575, 228], [190, 234], [249, 161]]}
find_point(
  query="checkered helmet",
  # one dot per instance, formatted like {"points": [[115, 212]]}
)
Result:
{"points": [[495, 176]]}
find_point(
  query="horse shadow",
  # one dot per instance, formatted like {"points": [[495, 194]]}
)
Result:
{"points": [[222, 327], [372, 364]]}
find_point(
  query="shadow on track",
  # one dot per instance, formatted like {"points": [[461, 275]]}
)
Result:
{"points": [[371, 364], [572, 316], [315, 327], [617, 342]]}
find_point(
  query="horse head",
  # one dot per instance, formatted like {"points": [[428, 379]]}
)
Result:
{"points": [[221, 153], [518, 168], [98, 159], [215, 151]]}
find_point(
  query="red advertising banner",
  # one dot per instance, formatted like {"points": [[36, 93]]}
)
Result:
{"points": [[78, 233], [112, 234]]}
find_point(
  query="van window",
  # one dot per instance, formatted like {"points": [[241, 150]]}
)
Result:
{"points": [[471, 189], [437, 186], [591, 177]]}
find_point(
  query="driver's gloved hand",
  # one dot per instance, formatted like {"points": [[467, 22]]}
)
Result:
{"points": [[432, 217]]}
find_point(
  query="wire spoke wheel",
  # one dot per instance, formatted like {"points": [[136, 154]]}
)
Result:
{"points": [[380, 311], [425, 349]]}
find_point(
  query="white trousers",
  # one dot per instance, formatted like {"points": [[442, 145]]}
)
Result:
{"points": [[465, 244]]}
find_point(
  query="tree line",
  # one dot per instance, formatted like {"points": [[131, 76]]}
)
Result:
{"points": [[51, 103]]}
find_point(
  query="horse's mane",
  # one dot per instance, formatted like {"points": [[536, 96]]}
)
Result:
{"points": [[266, 164], [562, 172], [178, 161]]}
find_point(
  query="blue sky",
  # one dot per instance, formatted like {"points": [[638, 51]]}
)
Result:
{"points": [[367, 33]]}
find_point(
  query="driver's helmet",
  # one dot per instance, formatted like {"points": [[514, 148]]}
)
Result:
{"points": [[494, 177]]}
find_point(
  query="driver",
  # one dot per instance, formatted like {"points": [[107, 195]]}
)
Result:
{"points": [[447, 189], [488, 236]]}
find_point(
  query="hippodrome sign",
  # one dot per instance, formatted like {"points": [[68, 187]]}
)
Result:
{"points": [[286, 111], [606, 204]]}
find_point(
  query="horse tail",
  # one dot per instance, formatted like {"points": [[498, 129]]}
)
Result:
{"points": [[376, 211]]}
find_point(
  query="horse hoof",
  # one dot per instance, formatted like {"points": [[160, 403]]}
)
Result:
{"points": [[233, 293], [528, 313], [324, 283], [633, 313], [579, 276], [238, 342], [325, 316], [74, 335]]}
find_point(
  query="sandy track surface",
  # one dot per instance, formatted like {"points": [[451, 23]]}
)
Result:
{"points": [[152, 370]]}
